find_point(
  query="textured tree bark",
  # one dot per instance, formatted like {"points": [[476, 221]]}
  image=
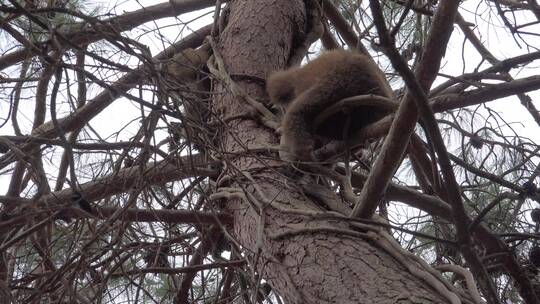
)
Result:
{"points": [[305, 260]]}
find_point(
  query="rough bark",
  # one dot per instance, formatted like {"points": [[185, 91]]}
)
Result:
{"points": [[306, 260]]}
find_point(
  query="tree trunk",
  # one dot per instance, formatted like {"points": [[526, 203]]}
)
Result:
{"points": [[305, 259]]}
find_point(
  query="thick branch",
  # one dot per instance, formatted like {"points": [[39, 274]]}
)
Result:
{"points": [[129, 178], [133, 215], [493, 92], [418, 84], [119, 24], [403, 126]]}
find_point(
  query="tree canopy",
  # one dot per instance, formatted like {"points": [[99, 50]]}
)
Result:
{"points": [[139, 154]]}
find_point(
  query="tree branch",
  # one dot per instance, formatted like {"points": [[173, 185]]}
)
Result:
{"points": [[121, 23]]}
